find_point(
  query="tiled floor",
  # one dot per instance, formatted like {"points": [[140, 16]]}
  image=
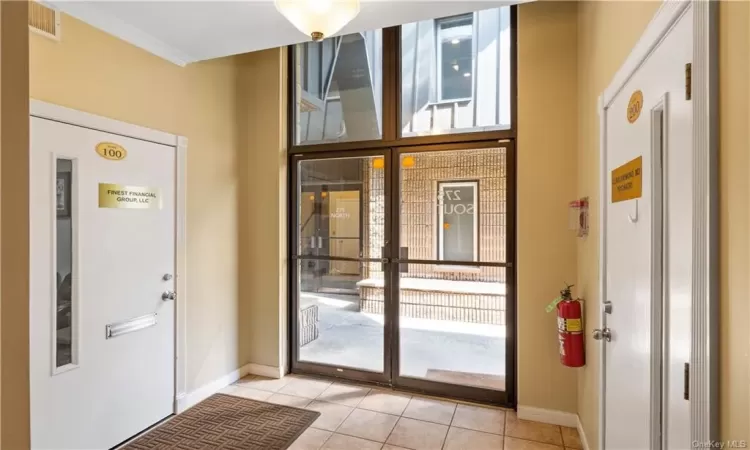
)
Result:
{"points": [[360, 418]]}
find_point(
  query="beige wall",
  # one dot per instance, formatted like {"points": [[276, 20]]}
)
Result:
{"points": [[607, 32], [262, 205], [97, 73], [14, 227], [734, 219], [547, 170]]}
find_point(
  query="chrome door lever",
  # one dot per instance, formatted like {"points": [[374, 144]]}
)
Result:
{"points": [[168, 296]]}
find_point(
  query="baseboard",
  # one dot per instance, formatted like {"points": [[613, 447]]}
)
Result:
{"points": [[264, 371], [582, 435], [186, 400], [551, 416]]}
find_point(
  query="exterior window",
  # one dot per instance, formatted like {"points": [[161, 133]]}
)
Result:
{"points": [[339, 90], [455, 58], [456, 74], [457, 221]]}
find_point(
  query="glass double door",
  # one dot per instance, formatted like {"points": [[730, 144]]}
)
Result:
{"points": [[403, 268]]}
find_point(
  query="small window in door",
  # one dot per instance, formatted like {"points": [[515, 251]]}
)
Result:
{"points": [[458, 226], [64, 317]]}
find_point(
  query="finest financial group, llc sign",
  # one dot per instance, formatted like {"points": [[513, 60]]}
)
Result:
{"points": [[627, 181], [128, 197]]}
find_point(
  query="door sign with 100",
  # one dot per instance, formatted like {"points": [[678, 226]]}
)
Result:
{"points": [[111, 151]]}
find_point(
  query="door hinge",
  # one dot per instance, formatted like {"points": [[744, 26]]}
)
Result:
{"points": [[686, 393], [688, 81]]}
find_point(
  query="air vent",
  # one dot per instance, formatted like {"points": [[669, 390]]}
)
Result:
{"points": [[44, 20]]}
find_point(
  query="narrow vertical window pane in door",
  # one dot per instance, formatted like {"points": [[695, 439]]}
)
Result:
{"points": [[340, 228], [65, 276]]}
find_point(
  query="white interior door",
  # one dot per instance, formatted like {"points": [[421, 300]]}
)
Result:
{"points": [[648, 254], [102, 255]]}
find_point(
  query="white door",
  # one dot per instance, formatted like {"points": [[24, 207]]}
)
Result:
{"points": [[102, 254], [647, 248]]}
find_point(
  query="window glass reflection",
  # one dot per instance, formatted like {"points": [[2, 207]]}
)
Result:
{"points": [[64, 251], [339, 89], [455, 74]]}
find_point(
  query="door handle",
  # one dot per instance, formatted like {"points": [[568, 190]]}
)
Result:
{"points": [[312, 241], [168, 296], [320, 242], [602, 334]]}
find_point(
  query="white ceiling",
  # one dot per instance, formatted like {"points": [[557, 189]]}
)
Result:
{"points": [[189, 31]]}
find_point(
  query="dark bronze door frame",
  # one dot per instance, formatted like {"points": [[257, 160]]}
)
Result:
{"points": [[392, 260]]}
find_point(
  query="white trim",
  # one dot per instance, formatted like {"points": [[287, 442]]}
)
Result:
{"points": [[180, 277], [551, 416], [603, 195], [704, 307], [582, 435], [668, 14], [57, 113], [264, 371], [659, 274], [185, 401], [704, 342], [87, 12]]}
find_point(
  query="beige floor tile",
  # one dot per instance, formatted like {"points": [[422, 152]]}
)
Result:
{"points": [[246, 379], [393, 447], [479, 419], [241, 391], [460, 439], [305, 387], [370, 425], [264, 384], [416, 434], [311, 439], [289, 400], [385, 402], [533, 431], [331, 414], [522, 444], [437, 411], [344, 394], [571, 439], [341, 442]]}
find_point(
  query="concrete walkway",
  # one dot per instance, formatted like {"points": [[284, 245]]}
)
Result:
{"points": [[353, 339]]}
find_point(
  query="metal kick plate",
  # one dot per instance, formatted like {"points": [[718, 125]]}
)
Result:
{"points": [[129, 326]]}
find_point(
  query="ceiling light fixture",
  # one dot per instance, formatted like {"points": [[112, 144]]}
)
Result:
{"points": [[467, 74], [318, 19], [455, 67], [455, 41]]}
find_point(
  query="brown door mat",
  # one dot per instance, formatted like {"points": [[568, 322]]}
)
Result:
{"points": [[231, 423]]}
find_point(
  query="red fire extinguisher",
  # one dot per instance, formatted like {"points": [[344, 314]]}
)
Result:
{"points": [[570, 330]]}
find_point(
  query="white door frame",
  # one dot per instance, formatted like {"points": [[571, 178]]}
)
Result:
{"points": [[704, 348], [61, 114]]}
